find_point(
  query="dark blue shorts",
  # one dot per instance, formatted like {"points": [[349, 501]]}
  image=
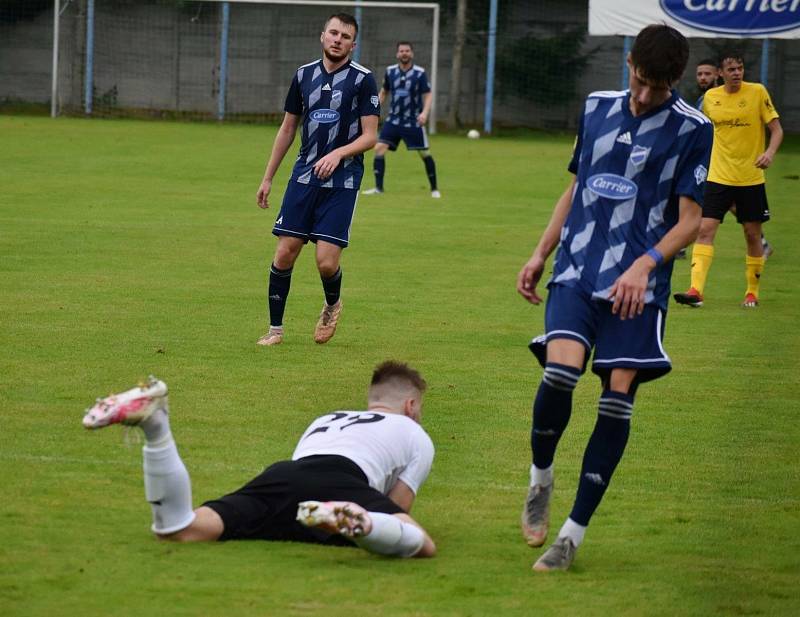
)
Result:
{"points": [[415, 137], [630, 343], [317, 213]]}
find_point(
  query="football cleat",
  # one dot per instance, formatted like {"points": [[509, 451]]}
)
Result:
{"points": [[692, 298], [130, 407], [436, 194], [342, 517], [373, 191], [326, 326], [273, 337], [559, 556], [750, 301], [536, 514]]}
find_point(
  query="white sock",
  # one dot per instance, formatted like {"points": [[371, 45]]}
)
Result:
{"points": [[168, 488], [573, 531], [156, 429], [541, 476], [391, 536]]}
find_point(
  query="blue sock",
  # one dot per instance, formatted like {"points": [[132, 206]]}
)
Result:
{"points": [[603, 453], [332, 287], [430, 170], [279, 283], [379, 167], [551, 410]]}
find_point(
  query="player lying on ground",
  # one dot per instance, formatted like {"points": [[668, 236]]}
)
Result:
{"points": [[352, 479]]}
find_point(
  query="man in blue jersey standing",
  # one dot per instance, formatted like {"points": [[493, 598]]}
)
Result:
{"points": [[639, 165], [335, 101], [411, 101]]}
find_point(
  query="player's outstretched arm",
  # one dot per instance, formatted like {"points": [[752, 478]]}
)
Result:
{"points": [[281, 145], [775, 140], [324, 167], [628, 291], [532, 271]]}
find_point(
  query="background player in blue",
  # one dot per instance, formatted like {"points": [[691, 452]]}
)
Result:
{"points": [[411, 104], [640, 163], [336, 101]]}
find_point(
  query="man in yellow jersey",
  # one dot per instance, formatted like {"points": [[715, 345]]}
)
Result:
{"points": [[739, 111]]}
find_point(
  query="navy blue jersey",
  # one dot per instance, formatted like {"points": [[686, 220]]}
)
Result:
{"points": [[406, 88], [630, 173], [331, 105]]}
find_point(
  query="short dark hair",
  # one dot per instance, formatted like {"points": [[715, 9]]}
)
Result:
{"points": [[345, 18], [660, 54], [391, 370], [708, 62], [730, 54], [404, 43]]}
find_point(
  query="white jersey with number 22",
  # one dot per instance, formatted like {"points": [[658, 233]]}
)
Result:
{"points": [[387, 447]]}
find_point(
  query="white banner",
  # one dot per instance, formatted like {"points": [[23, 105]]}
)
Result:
{"points": [[779, 19]]}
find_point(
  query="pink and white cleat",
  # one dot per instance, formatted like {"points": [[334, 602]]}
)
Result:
{"points": [[130, 407], [342, 517]]}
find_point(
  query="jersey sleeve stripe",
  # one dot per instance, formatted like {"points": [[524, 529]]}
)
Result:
{"points": [[682, 107], [363, 69], [608, 94]]}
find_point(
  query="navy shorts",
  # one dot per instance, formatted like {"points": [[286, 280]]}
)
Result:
{"points": [[317, 213], [750, 201], [415, 137], [266, 507], [630, 343]]}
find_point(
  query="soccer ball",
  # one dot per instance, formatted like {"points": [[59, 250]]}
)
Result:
{"points": [[473, 134]]}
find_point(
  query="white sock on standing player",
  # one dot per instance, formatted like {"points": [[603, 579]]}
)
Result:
{"points": [[573, 531], [541, 476]]}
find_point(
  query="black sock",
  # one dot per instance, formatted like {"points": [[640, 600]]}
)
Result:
{"points": [[603, 453], [430, 169], [551, 411], [332, 287], [379, 166], [279, 283]]}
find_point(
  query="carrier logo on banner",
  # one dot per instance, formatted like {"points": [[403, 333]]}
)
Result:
{"points": [[743, 17]]}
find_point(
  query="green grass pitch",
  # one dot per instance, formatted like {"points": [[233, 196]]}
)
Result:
{"points": [[129, 248]]}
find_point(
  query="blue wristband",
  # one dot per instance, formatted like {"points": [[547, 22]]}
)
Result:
{"points": [[656, 256]]}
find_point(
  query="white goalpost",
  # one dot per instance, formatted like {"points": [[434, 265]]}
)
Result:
{"points": [[227, 59]]}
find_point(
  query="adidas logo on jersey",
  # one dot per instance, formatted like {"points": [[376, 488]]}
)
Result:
{"points": [[326, 87], [625, 138]]}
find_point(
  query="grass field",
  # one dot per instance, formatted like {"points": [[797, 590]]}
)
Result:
{"points": [[129, 248]]}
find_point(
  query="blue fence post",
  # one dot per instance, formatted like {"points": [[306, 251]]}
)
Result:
{"points": [[88, 84], [357, 50], [223, 60], [488, 110], [764, 61], [626, 49]]}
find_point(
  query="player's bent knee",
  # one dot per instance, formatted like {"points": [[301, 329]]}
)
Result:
{"points": [[207, 526]]}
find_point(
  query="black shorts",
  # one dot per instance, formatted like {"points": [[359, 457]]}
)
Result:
{"points": [[750, 201], [265, 508]]}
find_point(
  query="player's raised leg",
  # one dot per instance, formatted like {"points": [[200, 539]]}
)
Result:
{"points": [[167, 484], [395, 535]]}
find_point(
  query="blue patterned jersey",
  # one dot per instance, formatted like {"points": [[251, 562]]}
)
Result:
{"points": [[630, 173], [331, 105], [406, 88]]}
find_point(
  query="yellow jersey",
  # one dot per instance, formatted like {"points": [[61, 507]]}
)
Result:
{"points": [[739, 120]]}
